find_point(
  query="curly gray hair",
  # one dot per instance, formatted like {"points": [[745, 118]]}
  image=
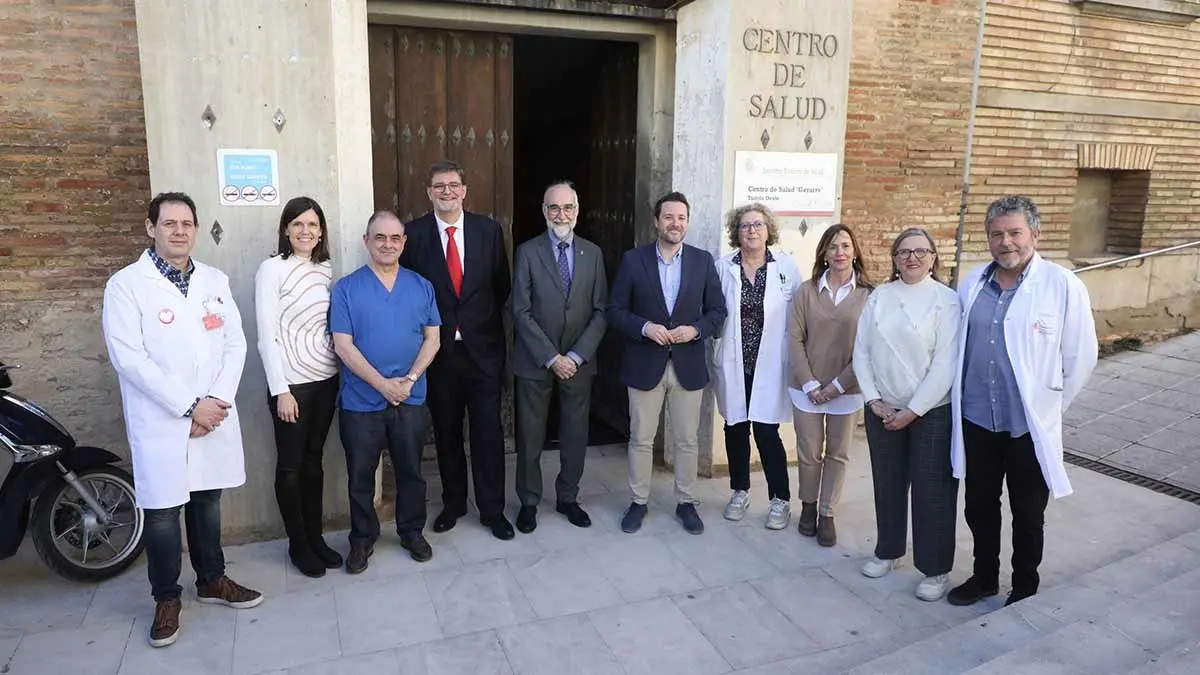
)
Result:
{"points": [[1009, 205]]}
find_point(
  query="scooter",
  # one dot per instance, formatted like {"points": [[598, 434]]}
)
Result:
{"points": [[77, 505]]}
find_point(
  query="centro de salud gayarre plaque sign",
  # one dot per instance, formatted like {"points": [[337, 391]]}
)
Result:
{"points": [[793, 54]]}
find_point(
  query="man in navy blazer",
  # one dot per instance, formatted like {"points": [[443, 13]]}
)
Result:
{"points": [[462, 255], [667, 301]]}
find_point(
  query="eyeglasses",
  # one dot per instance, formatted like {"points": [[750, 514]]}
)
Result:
{"points": [[752, 225], [907, 253], [442, 187], [555, 209]]}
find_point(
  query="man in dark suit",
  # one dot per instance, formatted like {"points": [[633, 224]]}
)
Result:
{"points": [[667, 301], [462, 255], [558, 320]]}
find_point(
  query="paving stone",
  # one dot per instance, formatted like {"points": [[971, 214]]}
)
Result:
{"points": [[1159, 379], [205, 643], [1079, 415], [1174, 441], [1079, 648], [286, 631], [92, 650], [1183, 659], [1122, 428], [1148, 412], [1170, 398], [1190, 425], [743, 626], [477, 597], [1090, 443], [384, 662], [656, 638], [959, 649], [1171, 364], [1147, 461], [1188, 477], [475, 654], [1190, 386], [569, 644], [563, 582], [824, 609], [374, 616], [1127, 387], [1098, 400]]}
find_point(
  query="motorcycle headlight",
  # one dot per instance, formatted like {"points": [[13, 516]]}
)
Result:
{"points": [[32, 453]]}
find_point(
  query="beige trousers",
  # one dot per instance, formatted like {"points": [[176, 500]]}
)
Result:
{"points": [[645, 407], [822, 452]]}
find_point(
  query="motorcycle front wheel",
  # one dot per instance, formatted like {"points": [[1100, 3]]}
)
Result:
{"points": [[75, 541]]}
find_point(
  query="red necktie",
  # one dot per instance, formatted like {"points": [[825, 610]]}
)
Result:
{"points": [[452, 261]]}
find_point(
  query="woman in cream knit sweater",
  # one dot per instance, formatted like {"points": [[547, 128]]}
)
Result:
{"points": [[904, 360]]}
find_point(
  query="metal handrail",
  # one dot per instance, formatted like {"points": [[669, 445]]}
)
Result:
{"points": [[1137, 256]]}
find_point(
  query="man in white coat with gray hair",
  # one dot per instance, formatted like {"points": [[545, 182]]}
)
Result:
{"points": [[175, 338], [1027, 345]]}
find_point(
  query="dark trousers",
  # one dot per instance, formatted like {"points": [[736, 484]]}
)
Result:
{"points": [[770, 453], [164, 544], [299, 450], [533, 409], [993, 459], [916, 456], [401, 430], [457, 386]]}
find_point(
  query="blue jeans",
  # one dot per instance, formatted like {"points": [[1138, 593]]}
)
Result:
{"points": [[164, 544], [400, 429]]}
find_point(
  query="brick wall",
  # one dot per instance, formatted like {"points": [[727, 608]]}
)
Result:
{"points": [[910, 80], [1047, 47], [73, 188]]}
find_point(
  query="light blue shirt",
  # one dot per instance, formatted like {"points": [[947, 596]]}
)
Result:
{"points": [[990, 396], [570, 250], [671, 276]]}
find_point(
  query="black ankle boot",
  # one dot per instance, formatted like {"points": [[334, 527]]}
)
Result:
{"points": [[312, 506], [305, 560]]}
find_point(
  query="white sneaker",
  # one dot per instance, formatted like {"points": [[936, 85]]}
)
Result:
{"points": [[738, 503], [780, 514], [875, 568], [932, 589]]}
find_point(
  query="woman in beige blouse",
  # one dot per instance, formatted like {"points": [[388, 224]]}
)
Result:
{"points": [[824, 391]]}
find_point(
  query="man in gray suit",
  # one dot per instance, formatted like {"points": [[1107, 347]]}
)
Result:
{"points": [[558, 302]]}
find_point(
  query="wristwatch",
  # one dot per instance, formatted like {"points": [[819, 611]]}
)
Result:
{"points": [[412, 377]]}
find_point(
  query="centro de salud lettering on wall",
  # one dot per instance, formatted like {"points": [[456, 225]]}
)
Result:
{"points": [[789, 74]]}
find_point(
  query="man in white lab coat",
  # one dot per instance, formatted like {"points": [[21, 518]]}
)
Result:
{"points": [[1027, 346], [175, 338]]}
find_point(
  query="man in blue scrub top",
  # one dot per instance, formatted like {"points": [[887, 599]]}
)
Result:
{"points": [[385, 325]]}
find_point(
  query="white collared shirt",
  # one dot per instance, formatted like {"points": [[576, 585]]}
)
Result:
{"points": [[459, 241], [842, 293], [458, 238]]}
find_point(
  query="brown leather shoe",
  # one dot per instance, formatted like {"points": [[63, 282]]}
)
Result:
{"points": [[808, 519], [826, 532], [165, 630], [226, 591]]}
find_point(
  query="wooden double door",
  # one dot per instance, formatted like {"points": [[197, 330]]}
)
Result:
{"points": [[439, 94]]}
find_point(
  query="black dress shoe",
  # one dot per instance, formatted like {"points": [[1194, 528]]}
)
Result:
{"points": [[632, 522], [500, 527], [446, 520], [527, 519], [417, 547], [686, 513], [574, 513], [971, 591], [356, 562]]}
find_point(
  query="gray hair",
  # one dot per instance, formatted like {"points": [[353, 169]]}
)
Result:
{"points": [[1009, 205], [383, 213], [562, 182]]}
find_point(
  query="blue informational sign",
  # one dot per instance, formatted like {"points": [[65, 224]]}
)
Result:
{"points": [[248, 177]]}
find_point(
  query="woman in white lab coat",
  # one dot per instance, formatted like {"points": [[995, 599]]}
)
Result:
{"points": [[291, 292], [751, 357]]}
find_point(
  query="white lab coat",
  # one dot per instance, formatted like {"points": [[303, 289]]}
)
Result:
{"points": [[769, 402], [1051, 338], [165, 359]]}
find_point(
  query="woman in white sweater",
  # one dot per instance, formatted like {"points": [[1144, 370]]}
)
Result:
{"points": [[904, 359], [291, 292]]}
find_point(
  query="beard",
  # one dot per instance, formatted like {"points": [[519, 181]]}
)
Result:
{"points": [[560, 232]]}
